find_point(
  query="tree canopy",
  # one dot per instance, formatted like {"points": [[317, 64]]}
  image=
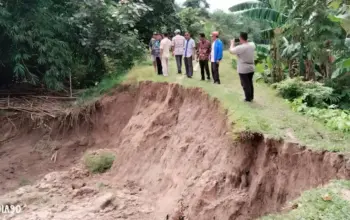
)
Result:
{"points": [[44, 42]]}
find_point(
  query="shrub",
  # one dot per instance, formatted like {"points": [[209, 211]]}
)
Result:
{"points": [[234, 63], [53, 41], [99, 162], [314, 94], [290, 89], [335, 119], [263, 70], [317, 95]]}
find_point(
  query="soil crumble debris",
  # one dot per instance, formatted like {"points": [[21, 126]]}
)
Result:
{"points": [[174, 159]]}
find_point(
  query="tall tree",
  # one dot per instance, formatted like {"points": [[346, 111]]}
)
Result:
{"points": [[201, 5], [46, 42], [196, 4], [191, 21], [163, 14]]}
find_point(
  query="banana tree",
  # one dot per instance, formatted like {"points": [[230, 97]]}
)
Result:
{"points": [[342, 16], [275, 14], [290, 52]]}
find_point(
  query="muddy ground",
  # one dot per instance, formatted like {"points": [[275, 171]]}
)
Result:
{"points": [[175, 156]]}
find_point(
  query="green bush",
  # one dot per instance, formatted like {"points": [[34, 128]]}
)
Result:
{"points": [[290, 89], [317, 95], [341, 88], [52, 41], [263, 69], [313, 94], [99, 162], [234, 63], [335, 119]]}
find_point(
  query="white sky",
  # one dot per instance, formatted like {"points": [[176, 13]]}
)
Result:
{"points": [[218, 4]]}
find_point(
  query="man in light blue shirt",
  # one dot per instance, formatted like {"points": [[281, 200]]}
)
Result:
{"points": [[189, 54]]}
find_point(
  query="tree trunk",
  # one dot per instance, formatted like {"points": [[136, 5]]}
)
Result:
{"points": [[290, 68], [70, 85]]}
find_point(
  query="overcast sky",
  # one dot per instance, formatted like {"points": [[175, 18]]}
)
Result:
{"points": [[218, 4]]}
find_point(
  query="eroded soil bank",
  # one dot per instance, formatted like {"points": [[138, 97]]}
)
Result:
{"points": [[174, 156]]}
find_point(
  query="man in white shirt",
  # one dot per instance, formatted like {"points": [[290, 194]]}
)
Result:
{"points": [[189, 54], [245, 65], [165, 46], [178, 43]]}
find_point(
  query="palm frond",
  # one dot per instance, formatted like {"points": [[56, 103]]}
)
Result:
{"points": [[271, 16], [263, 49], [268, 33], [343, 66], [247, 5]]}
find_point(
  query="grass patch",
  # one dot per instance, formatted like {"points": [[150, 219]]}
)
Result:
{"points": [[328, 203], [98, 162], [24, 182], [101, 186], [268, 114], [107, 84]]}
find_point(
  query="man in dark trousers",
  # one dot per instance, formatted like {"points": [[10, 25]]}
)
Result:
{"points": [[189, 54], [216, 56], [203, 53], [178, 43], [156, 53], [245, 65]]}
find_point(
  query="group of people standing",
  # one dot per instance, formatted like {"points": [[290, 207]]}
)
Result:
{"points": [[185, 49]]}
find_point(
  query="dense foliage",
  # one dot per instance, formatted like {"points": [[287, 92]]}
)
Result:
{"points": [[48, 42], [292, 25], [335, 119], [315, 100], [307, 56]]}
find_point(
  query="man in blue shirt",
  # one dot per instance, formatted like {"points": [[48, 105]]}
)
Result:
{"points": [[216, 56]]}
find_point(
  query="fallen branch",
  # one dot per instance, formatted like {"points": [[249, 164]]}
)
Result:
{"points": [[27, 110], [56, 97]]}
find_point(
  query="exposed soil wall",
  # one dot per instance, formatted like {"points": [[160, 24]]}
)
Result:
{"points": [[175, 156]]}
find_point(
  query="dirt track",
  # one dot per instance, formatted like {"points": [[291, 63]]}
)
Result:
{"points": [[174, 154]]}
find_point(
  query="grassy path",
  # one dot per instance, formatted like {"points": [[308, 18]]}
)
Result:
{"points": [[268, 114]]}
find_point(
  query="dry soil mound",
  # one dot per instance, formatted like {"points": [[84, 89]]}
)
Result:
{"points": [[174, 157]]}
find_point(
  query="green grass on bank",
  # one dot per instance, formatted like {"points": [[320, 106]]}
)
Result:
{"points": [[106, 85], [268, 114], [327, 203]]}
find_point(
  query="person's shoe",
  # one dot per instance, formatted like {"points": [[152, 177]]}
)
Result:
{"points": [[245, 100], [208, 78], [202, 79], [190, 77]]}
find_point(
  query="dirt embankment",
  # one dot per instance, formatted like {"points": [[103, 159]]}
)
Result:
{"points": [[175, 156]]}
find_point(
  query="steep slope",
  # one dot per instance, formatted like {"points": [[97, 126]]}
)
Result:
{"points": [[175, 156]]}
